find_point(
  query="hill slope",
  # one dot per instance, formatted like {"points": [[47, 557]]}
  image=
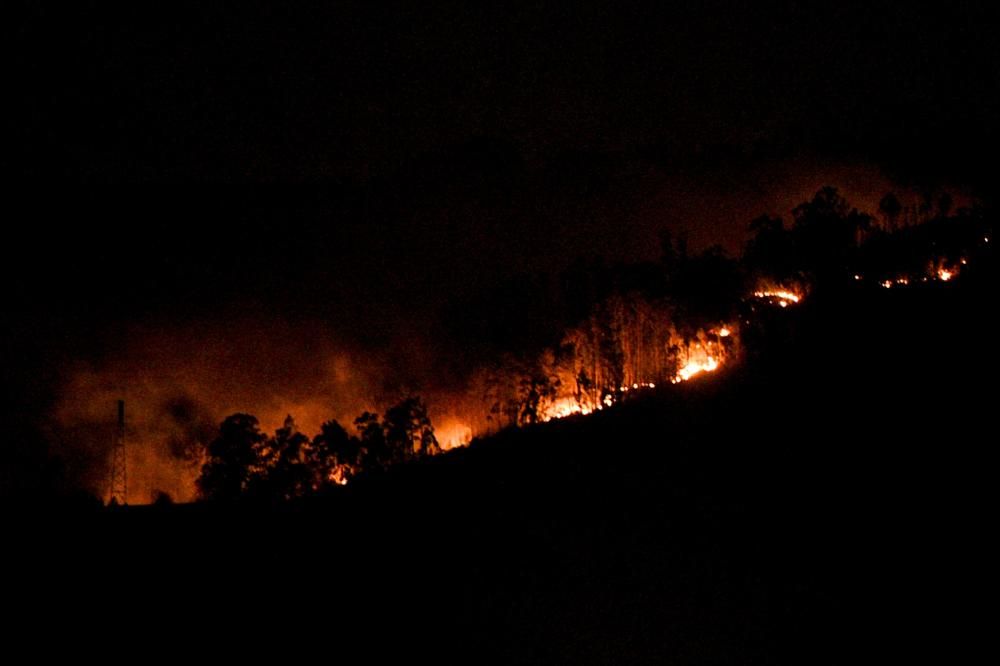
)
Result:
{"points": [[827, 495]]}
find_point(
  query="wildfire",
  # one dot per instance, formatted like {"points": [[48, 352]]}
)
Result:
{"points": [[564, 407], [453, 433], [943, 271], [636, 386], [696, 368], [937, 270], [569, 406], [783, 297]]}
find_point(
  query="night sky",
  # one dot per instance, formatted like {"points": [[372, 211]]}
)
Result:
{"points": [[341, 175]]}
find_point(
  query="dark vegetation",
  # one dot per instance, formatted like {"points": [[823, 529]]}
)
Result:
{"points": [[245, 464], [825, 501], [613, 326]]}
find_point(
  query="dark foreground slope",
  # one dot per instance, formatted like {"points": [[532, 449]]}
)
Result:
{"points": [[825, 503]]}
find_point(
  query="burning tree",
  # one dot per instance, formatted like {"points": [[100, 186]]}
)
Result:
{"points": [[335, 456]]}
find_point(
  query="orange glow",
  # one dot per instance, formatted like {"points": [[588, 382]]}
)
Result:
{"points": [[941, 270], [178, 392], [453, 433], [699, 362], [694, 368], [564, 407], [782, 296]]}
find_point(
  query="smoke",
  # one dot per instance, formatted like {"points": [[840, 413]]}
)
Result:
{"points": [[180, 376], [178, 384]]}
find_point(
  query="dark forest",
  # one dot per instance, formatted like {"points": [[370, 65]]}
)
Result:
{"points": [[536, 333]]}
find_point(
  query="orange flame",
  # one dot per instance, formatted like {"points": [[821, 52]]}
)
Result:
{"points": [[782, 296], [696, 368]]}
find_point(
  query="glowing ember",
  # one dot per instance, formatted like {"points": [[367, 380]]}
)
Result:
{"points": [[944, 275], [724, 332], [783, 296], [564, 407], [696, 368]]}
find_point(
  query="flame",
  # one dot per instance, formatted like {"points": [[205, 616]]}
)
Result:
{"points": [[568, 406], [696, 368], [724, 332], [944, 271], [453, 433], [564, 407], [783, 296]]}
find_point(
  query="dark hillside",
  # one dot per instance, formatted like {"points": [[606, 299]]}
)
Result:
{"points": [[827, 495]]}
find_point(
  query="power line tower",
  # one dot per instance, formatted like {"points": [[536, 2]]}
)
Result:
{"points": [[118, 490]]}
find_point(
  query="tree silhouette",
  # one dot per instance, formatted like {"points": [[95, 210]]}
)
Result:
{"points": [[375, 453], [234, 459], [890, 208], [827, 232], [770, 253], [285, 473], [535, 390], [705, 290], [408, 431], [161, 498], [334, 455]]}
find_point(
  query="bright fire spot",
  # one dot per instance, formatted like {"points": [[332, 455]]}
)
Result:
{"points": [[453, 433], [857, 277], [696, 368], [337, 476], [700, 357], [564, 407], [944, 275], [783, 296]]}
